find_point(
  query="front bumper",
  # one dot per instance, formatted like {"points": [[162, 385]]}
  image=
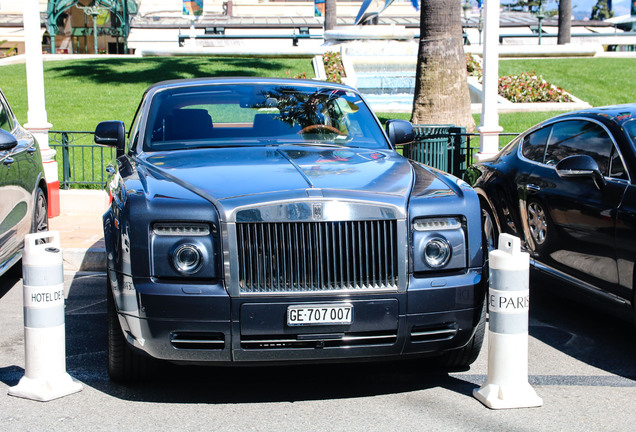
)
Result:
{"points": [[203, 324]]}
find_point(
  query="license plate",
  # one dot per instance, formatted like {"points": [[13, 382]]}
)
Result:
{"points": [[319, 314]]}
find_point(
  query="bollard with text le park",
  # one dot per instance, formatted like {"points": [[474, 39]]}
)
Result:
{"points": [[507, 383], [45, 376]]}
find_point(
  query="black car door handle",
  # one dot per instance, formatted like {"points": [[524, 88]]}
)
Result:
{"points": [[533, 188], [8, 161]]}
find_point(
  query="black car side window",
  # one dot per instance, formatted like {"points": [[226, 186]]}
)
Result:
{"points": [[617, 169], [575, 137], [534, 144]]}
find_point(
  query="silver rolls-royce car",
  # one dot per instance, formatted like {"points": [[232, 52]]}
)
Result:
{"points": [[266, 220]]}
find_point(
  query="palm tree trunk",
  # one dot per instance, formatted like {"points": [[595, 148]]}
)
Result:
{"points": [[330, 14], [565, 18], [441, 88]]}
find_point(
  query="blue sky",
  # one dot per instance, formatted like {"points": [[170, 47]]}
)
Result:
{"points": [[584, 7]]}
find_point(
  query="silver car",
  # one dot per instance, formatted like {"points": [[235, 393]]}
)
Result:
{"points": [[23, 191]]}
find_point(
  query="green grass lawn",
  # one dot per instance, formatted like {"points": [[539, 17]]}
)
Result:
{"points": [[599, 81], [81, 93]]}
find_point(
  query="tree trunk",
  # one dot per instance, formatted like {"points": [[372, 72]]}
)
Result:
{"points": [[330, 14], [565, 20], [441, 87]]}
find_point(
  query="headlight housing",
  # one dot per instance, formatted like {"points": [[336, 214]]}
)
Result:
{"points": [[439, 243], [184, 249]]}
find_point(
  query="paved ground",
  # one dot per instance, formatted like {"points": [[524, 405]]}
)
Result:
{"points": [[80, 228], [581, 362]]}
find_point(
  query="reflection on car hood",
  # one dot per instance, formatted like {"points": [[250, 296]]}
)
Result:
{"points": [[232, 172]]}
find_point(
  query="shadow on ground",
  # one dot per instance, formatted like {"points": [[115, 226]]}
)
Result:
{"points": [[581, 329], [153, 69], [577, 330]]}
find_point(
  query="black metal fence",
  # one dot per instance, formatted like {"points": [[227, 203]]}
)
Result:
{"points": [[81, 163], [445, 147]]}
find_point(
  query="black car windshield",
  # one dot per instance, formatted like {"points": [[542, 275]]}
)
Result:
{"points": [[246, 114]]}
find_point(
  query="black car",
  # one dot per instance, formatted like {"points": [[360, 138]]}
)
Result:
{"points": [[566, 187], [269, 220], [23, 192]]}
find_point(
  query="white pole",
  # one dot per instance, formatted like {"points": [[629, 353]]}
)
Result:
{"points": [[508, 302], [37, 122], [489, 129], [45, 376]]}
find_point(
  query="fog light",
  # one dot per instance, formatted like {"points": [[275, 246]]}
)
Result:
{"points": [[437, 252], [187, 259]]}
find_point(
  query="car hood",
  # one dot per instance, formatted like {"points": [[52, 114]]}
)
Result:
{"points": [[225, 173]]}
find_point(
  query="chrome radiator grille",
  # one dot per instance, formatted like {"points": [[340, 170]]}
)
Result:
{"points": [[290, 257]]}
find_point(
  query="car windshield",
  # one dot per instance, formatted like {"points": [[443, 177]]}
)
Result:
{"points": [[226, 115]]}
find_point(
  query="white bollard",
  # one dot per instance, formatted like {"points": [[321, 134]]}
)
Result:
{"points": [[45, 376], [508, 299]]}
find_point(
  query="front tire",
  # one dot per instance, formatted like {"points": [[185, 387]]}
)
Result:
{"points": [[39, 223], [124, 364], [461, 359], [40, 212], [489, 231]]}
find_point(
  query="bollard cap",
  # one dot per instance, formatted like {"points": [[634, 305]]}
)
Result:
{"points": [[509, 244], [42, 249], [509, 256]]}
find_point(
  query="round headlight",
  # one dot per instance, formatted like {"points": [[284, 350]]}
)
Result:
{"points": [[437, 252], [187, 259]]}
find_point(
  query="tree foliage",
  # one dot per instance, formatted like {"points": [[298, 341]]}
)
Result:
{"points": [[601, 11]]}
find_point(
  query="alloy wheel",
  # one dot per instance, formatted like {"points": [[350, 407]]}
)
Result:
{"points": [[537, 222], [41, 212]]}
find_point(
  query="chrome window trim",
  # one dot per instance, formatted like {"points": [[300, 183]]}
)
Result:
{"points": [[525, 159]]}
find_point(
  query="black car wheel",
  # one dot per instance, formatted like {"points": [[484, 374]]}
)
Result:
{"points": [[40, 214], [124, 364], [39, 223], [540, 226], [489, 231]]}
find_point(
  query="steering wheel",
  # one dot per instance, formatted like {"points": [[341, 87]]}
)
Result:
{"points": [[314, 128]]}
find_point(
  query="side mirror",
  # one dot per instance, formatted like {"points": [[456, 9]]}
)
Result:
{"points": [[7, 140], [399, 132], [580, 166], [112, 134]]}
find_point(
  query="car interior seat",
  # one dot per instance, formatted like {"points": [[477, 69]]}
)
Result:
{"points": [[270, 125], [189, 124]]}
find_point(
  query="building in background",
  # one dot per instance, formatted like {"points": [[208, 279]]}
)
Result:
{"points": [[120, 26]]}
